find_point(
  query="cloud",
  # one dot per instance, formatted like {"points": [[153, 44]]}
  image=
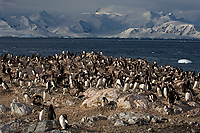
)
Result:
{"points": [[80, 6]]}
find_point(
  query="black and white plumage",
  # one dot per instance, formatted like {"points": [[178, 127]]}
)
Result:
{"points": [[51, 113], [4, 85], [37, 100], [188, 96], [152, 97], [171, 98], [63, 121], [46, 96], [42, 115], [27, 98]]}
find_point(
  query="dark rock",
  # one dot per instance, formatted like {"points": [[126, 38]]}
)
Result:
{"points": [[46, 125], [3, 109]]}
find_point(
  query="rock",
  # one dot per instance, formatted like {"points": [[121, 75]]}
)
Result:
{"points": [[7, 128], [150, 130], [3, 128], [42, 126], [55, 123], [54, 131], [96, 96], [125, 115], [30, 129], [178, 109], [164, 110], [120, 123], [20, 108], [193, 131], [194, 104], [3, 109], [193, 112], [92, 119], [133, 101], [134, 120]]}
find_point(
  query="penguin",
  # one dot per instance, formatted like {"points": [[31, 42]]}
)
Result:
{"points": [[63, 121], [171, 98], [4, 85], [51, 113], [126, 87], [159, 91], [152, 97], [46, 95], [165, 91], [136, 85], [27, 98], [104, 101], [42, 115], [37, 100], [196, 84], [188, 96]]}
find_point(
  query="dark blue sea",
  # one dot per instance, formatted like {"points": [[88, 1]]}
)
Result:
{"points": [[164, 52]]}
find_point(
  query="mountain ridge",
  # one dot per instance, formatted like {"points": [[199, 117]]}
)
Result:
{"points": [[99, 24]]}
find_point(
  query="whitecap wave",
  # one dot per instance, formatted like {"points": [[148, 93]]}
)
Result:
{"points": [[184, 61]]}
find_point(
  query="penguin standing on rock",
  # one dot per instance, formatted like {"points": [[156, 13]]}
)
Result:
{"points": [[51, 113]]}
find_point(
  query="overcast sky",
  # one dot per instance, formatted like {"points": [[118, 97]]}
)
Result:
{"points": [[26, 7]]}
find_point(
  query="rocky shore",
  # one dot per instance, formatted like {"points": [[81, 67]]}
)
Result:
{"points": [[96, 93]]}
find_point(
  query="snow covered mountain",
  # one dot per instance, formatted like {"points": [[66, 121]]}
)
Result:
{"points": [[102, 23]]}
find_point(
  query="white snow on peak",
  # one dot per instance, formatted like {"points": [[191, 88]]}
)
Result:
{"points": [[105, 22]]}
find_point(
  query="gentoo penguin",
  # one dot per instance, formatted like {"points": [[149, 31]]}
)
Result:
{"points": [[4, 85], [188, 96], [46, 95], [196, 84], [37, 100], [136, 85], [42, 115], [104, 101], [171, 97], [1, 80], [152, 97], [165, 91], [63, 121], [48, 86], [27, 98], [51, 113], [159, 91], [126, 87]]}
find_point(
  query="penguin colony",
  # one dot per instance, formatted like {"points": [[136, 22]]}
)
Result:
{"points": [[75, 73]]}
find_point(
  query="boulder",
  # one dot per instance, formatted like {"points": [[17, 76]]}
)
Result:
{"points": [[42, 126], [3, 109], [194, 104], [133, 101], [95, 97], [120, 123], [20, 108]]}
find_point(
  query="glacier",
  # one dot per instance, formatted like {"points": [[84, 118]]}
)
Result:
{"points": [[101, 23]]}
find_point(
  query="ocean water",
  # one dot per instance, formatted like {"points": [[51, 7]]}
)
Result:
{"points": [[164, 52]]}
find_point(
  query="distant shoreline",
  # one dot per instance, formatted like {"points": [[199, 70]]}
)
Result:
{"points": [[101, 38]]}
